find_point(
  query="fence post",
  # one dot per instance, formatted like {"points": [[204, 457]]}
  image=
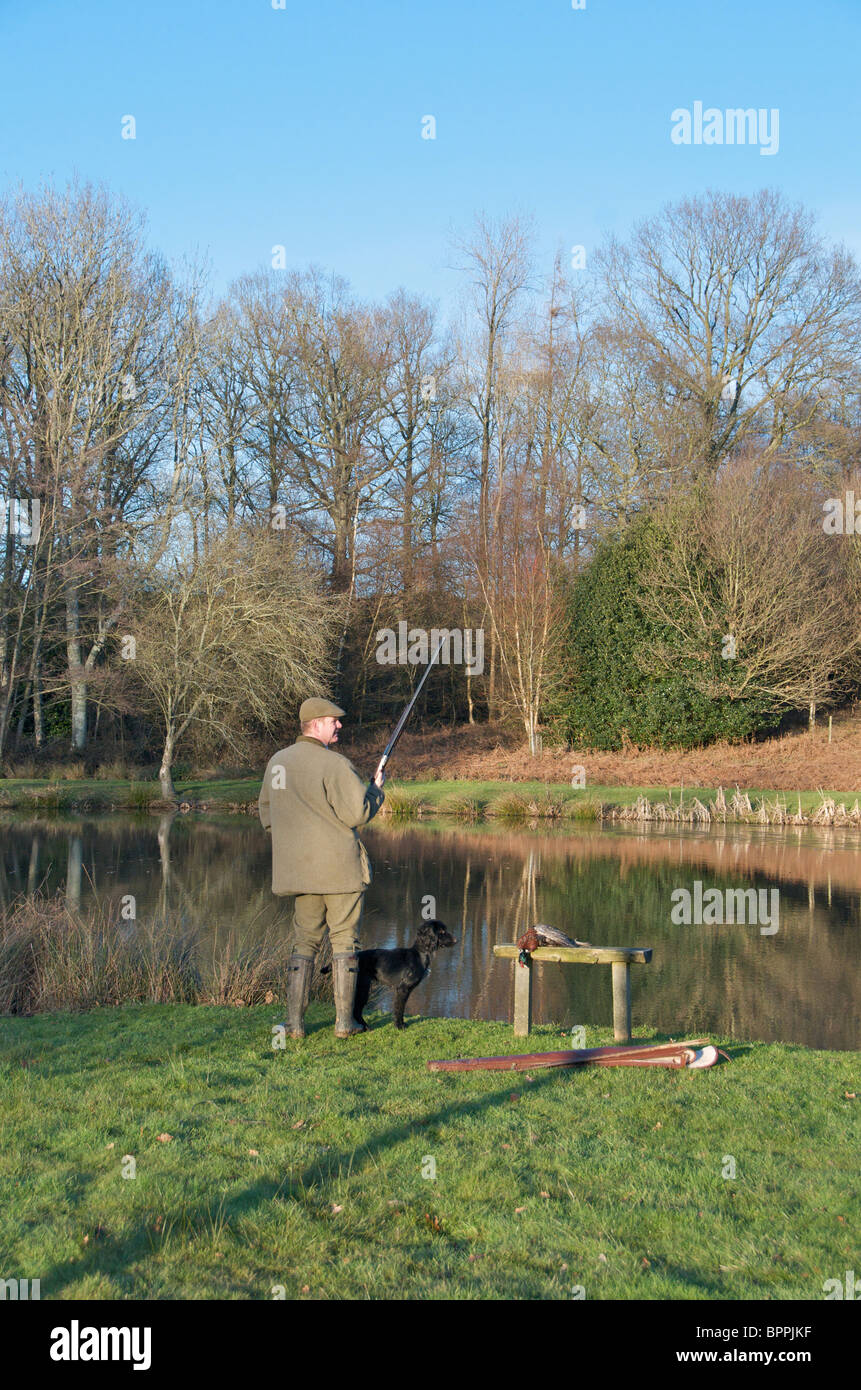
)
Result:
{"points": [[522, 999], [622, 1002]]}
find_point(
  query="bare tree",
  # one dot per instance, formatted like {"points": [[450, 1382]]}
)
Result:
{"points": [[404, 435], [750, 591], [270, 373], [497, 263], [558, 411], [85, 313], [742, 315], [496, 260], [234, 634], [526, 612], [340, 356]]}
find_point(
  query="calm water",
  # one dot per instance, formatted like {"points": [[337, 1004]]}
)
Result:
{"points": [[609, 886]]}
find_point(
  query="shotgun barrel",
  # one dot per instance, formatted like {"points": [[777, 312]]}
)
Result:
{"points": [[399, 727]]}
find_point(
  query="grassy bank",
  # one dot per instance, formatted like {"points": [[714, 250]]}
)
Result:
{"points": [[526, 801], [470, 800], [303, 1168], [116, 794]]}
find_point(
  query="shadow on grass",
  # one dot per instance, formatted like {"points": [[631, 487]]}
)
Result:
{"points": [[114, 1257], [111, 1257]]}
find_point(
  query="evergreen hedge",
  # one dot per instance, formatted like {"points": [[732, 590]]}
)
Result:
{"points": [[610, 694]]}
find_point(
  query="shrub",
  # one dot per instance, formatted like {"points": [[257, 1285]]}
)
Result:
{"points": [[610, 698]]}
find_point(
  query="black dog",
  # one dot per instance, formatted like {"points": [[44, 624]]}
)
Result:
{"points": [[400, 970]]}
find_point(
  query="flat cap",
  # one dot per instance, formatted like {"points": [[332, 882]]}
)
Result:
{"points": [[318, 709]]}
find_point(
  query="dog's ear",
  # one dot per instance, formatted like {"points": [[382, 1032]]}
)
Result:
{"points": [[426, 936]]}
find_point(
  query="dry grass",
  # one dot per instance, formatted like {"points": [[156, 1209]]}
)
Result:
{"points": [[797, 761], [54, 958], [67, 772], [26, 769], [510, 806], [740, 808], [583, 809], [118, 770], [463, 806], [402, 804]]}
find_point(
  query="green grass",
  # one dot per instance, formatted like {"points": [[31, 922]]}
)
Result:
{"points": [[433, 793], [606, 1179], [447, 797], [92, 793]]}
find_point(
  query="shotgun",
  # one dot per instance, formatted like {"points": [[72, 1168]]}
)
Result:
{"points": [[399, 727]]}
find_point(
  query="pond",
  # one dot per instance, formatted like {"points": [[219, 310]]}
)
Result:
{"points": [[794, 980]]}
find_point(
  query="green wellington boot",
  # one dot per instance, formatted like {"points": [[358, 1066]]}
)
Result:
{"points": [[300, 969], [346, 973]]}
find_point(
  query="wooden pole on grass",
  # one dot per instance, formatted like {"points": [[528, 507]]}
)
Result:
{"points": [[621, 1002]]}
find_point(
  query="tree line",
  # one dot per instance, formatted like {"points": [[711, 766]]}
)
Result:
{"points": [[236, 495]]}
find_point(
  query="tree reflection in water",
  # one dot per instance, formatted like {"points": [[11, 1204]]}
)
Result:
{"points": [[611, 886]]}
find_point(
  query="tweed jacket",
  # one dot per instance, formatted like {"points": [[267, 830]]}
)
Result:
{"points": [[313, 801]]}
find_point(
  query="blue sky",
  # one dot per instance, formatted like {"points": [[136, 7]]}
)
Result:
{"points": [[302, 126]]}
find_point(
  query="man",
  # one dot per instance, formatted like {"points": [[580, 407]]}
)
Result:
{"points": [[313, 801]]}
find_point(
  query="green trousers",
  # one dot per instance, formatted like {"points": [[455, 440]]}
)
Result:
{"points": [[314, 912]]}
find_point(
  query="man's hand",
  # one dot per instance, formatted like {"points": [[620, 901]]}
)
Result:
{"points": [[379, 778]]}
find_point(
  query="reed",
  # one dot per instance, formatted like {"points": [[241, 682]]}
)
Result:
{"points": [[765, 812], [401, 804], [462, 806], [49, 798], [583, 809], [138, 795], [510, 806], [52, 957], [546, 805], [245, 973]]}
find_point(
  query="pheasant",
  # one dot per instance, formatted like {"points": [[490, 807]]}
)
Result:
{"points": [[541, 935]]}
